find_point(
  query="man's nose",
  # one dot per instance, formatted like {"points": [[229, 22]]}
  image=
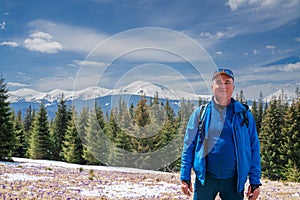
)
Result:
{"points": [[222, 85]]}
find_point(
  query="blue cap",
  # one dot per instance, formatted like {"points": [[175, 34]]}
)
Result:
{"points": [[227, 72]]}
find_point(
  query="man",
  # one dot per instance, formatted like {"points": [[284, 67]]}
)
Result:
{"points": [[222, 146]]}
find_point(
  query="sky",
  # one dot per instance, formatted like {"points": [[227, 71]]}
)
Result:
{"points": [[75, 44]]}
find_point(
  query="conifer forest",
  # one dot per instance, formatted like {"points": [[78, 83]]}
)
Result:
{"points": [[92, 137]]}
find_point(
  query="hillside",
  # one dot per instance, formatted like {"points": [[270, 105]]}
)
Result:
{"points": [[40, 179]]}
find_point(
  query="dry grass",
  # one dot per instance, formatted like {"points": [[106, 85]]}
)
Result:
{"points": [[279, 190], [43, 182], [40, 182]]}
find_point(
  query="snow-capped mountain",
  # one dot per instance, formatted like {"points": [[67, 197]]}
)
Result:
{"points": [[23, 98], [30, 95], [287, 95], [135, 88], [151, 89]]}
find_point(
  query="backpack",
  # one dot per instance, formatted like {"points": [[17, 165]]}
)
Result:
{"points": [[203, 111]]}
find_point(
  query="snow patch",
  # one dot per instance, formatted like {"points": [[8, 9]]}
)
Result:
{"points": [[21, 177]]}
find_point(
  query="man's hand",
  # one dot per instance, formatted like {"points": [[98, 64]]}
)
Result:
{"points": [[253, 194], [187, 188]]}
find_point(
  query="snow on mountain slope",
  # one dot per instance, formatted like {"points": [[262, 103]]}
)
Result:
{"points": [[151, 89], [135, 88], [287, 95], [25, 94], [30, 95]]}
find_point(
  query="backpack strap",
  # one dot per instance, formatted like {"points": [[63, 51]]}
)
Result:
{"points": [[201, 115], [245, 116]]}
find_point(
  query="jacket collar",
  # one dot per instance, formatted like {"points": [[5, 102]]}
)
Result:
{"points": [[237, 106]]}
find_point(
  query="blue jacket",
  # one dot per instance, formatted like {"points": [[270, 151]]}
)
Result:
{"points": [[246, 141]]}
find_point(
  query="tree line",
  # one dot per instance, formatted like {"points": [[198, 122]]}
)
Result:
{"points": [[120, 137]]}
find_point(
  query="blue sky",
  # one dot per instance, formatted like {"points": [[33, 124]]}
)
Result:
{"points": [[66, 44]]}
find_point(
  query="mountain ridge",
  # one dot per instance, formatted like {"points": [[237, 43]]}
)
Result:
{"points": [[135, 88], [23, 98]]}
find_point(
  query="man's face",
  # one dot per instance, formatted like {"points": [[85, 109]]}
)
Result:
{"points": [[222, 87]]}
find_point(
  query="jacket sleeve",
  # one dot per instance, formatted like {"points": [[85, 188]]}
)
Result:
{"points": [[188, 152], [255, 170]]}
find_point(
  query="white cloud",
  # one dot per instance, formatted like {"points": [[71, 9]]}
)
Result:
{"points": [[219, 52], [42, 42], [291, 67], [13, 84], [40, 34], [11, 44], [297, 39], [21, 76], [142, 44], [255, 52], [270, 47], [268, 79], [266, 15], [16, 84], [260, 4], [2, 25], [89, 63], [234, 4], [51, 83], [279, 68], [72, 38], [218, 35], [248, 17]]}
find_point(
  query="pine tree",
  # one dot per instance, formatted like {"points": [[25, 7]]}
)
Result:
{"points": [[113, 134], [40, 141], [7, 136], [184, 113], [82, 127], [271, 141], [22, 143], [97, 148], [100, 116], [167, 138], [168, 131], [292, 172], [126, 121], [254, 110], [82, 124], [131, 111], [142, 117], [28, 119], [73, 148], [260, 112], [297, 94], [122, 143], [62, 117], [157, 116], [291, 141], [241, 97]]}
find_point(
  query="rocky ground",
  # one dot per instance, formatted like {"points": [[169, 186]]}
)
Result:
{"points": [[26, 179]]}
